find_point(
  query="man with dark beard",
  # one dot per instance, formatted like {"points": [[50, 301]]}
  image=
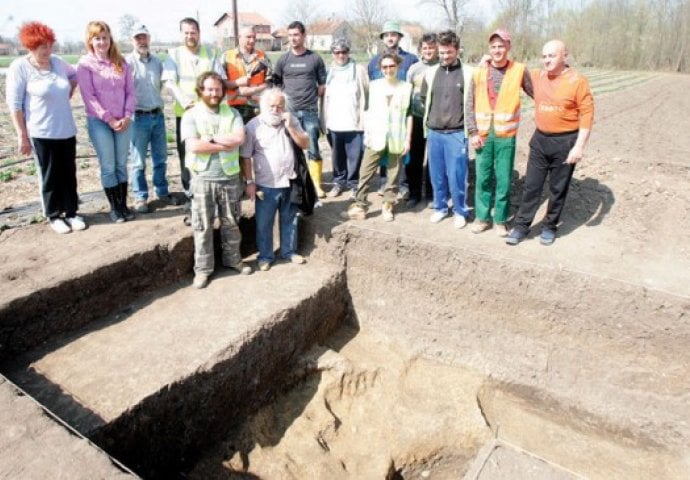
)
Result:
{"points": [[213, 133]]}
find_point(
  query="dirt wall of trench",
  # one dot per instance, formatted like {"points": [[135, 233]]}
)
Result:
{"points": [[168, 430]]}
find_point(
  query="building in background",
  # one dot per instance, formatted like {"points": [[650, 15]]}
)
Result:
{"points": [[225, 33]]}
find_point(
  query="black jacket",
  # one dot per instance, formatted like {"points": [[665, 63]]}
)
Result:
{"points": [[303, 193]]}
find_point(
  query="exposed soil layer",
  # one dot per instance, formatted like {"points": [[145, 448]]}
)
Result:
{"points": [[575, 353]]}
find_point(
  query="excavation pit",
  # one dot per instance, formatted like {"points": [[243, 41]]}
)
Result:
{"points": [[389, 355]]}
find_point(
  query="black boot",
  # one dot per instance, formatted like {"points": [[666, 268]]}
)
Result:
{"points": [[112, 193], [126, 212]]}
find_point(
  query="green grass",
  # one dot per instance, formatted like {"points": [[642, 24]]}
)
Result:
{"points": [[9, 174]]}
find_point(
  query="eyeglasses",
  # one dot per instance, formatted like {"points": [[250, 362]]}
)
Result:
{"points": [[340, 52], [387, 67]]}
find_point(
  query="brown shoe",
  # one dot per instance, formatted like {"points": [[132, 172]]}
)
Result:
{"points": [[480, 226], [387, 212], [501, 229], [355, 212]]}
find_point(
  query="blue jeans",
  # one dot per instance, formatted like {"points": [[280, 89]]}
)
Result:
{"points": [[309, 120], [148, 128], [448, 165], [111, 148], [347, 151], [275, 200]]}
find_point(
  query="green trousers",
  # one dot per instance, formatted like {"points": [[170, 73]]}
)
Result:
{"points": [[495, 158]]}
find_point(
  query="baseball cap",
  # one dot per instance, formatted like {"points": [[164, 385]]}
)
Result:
{"points": [[502, 33], [140, 30]]}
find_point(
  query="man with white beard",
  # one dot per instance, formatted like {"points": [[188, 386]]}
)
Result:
{"points": [[268, 155]]}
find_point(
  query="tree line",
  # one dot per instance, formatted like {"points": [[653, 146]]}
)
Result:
{"points": [[622, 34]]}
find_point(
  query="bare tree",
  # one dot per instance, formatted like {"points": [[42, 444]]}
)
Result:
{"points": [[453, 12], [126, 25], [305, 11], [367, 16]]}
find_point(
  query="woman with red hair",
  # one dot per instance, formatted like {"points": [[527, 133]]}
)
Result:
{"points": [[39, 88], [107, 88]]}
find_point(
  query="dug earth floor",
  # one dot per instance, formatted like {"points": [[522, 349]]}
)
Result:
{"points": [[400, 350]]}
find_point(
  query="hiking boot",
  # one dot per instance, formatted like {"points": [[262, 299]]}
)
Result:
{"points": [[501, 229], [140, 206], [241, 268], [335, 191], [169, 200], [200, 280], [355, 212], [480, 226], [411, 203], [387, 212]]}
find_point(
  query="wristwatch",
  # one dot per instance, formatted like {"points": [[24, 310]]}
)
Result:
{"points": [[249, 181]]}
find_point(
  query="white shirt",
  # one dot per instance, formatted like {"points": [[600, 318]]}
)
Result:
{"points": [[271, 151]]}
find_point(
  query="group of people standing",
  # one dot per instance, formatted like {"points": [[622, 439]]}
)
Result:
{"points": [[242, 126], [431, 111]]}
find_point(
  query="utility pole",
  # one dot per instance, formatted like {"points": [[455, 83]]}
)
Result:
{"points": [[235, 23]]}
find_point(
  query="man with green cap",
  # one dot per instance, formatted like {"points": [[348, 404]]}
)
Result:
{"points": [[391, 35]]}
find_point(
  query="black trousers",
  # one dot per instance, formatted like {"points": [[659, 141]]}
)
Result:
{"points": [[184, 172], [414, 170], [58, 175], [547, 156]]}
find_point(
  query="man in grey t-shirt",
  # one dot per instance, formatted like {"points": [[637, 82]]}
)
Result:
{"points": [[302, 74]]}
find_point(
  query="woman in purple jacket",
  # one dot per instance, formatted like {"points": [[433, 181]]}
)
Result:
{"points": [[107, 88]]}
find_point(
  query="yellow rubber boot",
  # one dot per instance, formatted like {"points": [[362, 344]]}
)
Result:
{"points": [[315, 168]]}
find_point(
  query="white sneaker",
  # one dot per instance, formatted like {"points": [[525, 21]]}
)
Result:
{"points": [[297, 259], [242, 268], [459, 221], [76, 222], [59, 226], [437, 216]]}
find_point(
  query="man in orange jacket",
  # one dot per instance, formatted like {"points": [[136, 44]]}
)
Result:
{"points": [[493, 117], [249, 73], [563, 114]]}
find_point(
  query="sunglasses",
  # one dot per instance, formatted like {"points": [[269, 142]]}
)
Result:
{"points": [[387, 67], [340, 52]]}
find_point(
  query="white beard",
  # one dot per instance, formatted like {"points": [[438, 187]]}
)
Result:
{"points": [[271, 119]]}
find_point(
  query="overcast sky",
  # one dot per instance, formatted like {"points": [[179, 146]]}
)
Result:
{"points": [[69, 17]]}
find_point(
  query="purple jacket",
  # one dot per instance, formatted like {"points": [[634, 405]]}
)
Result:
{"points": [[107, 94]]}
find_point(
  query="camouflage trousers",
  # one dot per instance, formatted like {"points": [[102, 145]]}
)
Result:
{"points": [[216, 199]]}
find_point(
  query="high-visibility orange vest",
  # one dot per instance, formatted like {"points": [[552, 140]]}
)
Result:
{"points": [[506, 113], [235, 68]]}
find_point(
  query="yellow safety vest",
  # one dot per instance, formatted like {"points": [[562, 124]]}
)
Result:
{"points": [[229, 160], [187, 71], [386, 122]]}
